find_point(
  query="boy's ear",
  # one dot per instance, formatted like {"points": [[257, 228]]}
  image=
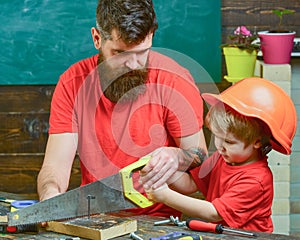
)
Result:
{"points": [[257, 144], [263, 149], [96, 37]]}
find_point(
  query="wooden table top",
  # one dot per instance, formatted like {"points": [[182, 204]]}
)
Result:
{"points": [[147, 230]]}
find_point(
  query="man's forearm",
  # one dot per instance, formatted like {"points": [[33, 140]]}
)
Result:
{"points": [[47, 185], [191, 158]]}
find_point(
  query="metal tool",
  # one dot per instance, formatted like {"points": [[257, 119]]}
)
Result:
{"points": [[161, 222], [177, 222], [198, 225], [111, 194], [172, 219], [89, 197], [134, 236]]}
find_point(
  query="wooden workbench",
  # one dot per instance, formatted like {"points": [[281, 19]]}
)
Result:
{"points": [[146, 230]]}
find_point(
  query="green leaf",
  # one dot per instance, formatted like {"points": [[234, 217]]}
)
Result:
{"points": [[280, 14], [277, 12], [287, 11]]}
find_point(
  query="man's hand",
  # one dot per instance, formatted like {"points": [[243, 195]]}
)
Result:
{"points": [[52, 192], [166, 161], [163, 164]]}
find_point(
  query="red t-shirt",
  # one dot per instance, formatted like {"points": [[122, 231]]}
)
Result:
{"points": [[114, 135], [242, 195]]}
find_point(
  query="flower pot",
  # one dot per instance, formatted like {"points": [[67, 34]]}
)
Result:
{"points": [[239, 63], [276, 47]]}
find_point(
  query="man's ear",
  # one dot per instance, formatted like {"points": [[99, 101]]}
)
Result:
{"points": [[150, 35], [96, 38]]}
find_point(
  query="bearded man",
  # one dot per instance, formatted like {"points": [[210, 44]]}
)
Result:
{"points": [[121, 104]]}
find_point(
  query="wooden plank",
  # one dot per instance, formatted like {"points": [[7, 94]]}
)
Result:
{"points": [[25, 98], [18, 173], [257, 14], [23, 132], [97, 227], [24, 115]]}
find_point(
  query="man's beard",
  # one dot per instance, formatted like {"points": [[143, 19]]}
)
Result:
{"points": [[121, 85]]}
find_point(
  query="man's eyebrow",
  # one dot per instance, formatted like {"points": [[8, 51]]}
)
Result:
{"points": [[132, 51]]}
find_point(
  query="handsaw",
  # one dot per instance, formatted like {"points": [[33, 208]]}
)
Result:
{"points": [[110, 194]]}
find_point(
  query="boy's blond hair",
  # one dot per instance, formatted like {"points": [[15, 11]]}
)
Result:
{"points": [[247, 129]]}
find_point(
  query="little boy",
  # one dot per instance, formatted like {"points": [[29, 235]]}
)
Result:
{"points": [[247, 120]]}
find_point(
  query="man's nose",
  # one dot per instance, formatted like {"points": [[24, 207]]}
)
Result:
{"points": [[133, 62]]}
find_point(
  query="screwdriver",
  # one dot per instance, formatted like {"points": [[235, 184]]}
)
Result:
{"points": [[199, 225]]}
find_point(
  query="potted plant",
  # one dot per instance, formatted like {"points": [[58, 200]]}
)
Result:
{"points": [[240, 54], [277, 44]]}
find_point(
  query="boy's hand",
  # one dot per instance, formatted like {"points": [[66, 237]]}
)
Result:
{"points": [[157, 195]]}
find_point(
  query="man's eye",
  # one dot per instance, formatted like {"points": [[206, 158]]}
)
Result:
{"points": [[143, 52], [117, 52]]}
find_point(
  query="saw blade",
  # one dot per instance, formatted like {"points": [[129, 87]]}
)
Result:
{"points": [[102, 196]]}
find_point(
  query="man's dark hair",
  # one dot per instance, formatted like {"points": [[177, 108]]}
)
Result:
{"points": [[133, 19]]}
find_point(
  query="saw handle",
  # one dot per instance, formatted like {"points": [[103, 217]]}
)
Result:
{"points": [[128, 188]]}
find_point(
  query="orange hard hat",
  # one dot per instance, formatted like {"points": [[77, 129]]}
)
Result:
{"points": [[263, 99]]}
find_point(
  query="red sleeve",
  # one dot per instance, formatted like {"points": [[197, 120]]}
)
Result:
{"points": [[61, 112], [62, 118]]}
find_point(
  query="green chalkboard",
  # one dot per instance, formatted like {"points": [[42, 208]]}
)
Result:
{"points": [[40, 39], [193, 28]]}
